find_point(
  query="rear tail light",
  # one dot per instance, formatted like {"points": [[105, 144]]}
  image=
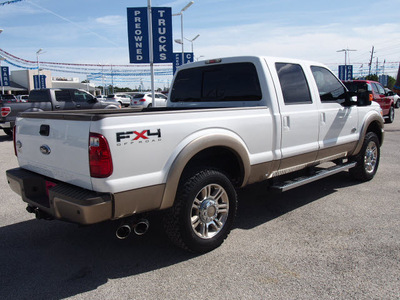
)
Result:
{"points": [[371, 97], [142, 100], [5, 111], [100, 161]]}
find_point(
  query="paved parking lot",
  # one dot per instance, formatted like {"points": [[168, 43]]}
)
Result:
{"points": [[333, 239]]}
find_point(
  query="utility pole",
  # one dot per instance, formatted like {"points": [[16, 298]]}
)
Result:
{"points": [[370, 61]]}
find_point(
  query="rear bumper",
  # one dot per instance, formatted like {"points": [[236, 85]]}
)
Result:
{"points": [[60, 200]]}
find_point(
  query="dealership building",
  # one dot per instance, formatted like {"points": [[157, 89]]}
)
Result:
{"points": [[23, 81]]}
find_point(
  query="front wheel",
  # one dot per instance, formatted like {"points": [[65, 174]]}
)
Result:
{"points": [[203, 212], [368, 159]]}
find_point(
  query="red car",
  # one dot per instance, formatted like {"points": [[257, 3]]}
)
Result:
{"points": [[376, 93]]}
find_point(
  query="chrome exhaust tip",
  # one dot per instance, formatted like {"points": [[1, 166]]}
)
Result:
{"points": [[141, 227], [123, 231]]}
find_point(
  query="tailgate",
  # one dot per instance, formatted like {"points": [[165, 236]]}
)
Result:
{"points": [[56, 148]]}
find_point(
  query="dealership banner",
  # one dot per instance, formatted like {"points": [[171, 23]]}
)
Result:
{"points": [[345, 72], [5, 76], [39, 82], [138, 35], [187, 56]]}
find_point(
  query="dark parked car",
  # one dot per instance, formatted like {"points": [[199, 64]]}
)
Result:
{"points": [[7, 98]]}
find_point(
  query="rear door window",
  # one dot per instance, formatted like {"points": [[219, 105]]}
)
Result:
{"points": [[63, 96], [293, 83], [217, 83]]}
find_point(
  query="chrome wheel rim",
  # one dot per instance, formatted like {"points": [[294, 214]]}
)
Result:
{"points": [[370, 157], [209, 211]]}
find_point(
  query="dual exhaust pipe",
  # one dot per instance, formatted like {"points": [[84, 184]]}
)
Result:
{"points": [[139, 228]]}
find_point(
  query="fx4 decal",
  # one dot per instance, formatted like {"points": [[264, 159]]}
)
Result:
{"points": [[143, 136]]}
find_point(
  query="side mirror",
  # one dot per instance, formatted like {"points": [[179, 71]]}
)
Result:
{"points": [[350, 99], [363, 98]]}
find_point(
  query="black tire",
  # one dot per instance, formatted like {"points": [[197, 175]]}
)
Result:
{"points": [[8, 131], [368, 159], [390, 116], [397, 104], [203, 213]]}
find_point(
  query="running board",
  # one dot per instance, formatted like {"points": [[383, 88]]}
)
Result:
{"points": [[291, 184]]}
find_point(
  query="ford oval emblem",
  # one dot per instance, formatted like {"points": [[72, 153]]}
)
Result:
{"points": [[45, 149]]}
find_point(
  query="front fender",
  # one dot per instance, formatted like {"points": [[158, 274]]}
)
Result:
{"points": [[232, 142], [372, 122]]}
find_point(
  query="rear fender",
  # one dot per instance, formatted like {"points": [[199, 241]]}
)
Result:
{"points": [[199, 144]]}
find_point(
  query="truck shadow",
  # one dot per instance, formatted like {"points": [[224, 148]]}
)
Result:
{"points": [[41, 259], [4, 138]]}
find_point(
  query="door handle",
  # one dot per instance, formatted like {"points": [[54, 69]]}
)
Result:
{"points": [[78, 106], [286, 123]]}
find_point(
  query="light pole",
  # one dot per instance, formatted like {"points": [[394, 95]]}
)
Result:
{"points": [[40, 51], [1, 73], [181, 14], [192, 40], [345, 54], [345, 60]]}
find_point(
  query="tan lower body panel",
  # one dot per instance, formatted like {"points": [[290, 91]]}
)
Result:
{"points": [[138, 201]]}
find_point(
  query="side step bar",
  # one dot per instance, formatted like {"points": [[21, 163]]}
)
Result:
{"points": [[291, 184]]}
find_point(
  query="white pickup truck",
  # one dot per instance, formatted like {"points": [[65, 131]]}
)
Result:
{"points": [[229, 122]]}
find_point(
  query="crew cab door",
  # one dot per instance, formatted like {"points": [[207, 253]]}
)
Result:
{"points": [[338, 126], [299, 116]]}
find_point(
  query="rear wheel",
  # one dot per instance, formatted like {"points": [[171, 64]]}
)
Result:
{"points": [[203, 212], [390, 116], [368, 159]]}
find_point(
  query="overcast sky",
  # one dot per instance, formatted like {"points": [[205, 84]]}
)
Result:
{"points": [[93, 31]]}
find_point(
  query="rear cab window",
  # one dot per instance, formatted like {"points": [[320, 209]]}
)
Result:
{"points": [[63, 96], [217, 83], [39, 96]]}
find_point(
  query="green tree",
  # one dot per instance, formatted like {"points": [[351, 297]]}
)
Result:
{"points": [[372, 77]]}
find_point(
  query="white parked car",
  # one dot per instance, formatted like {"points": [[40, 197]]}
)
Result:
{"points": [[123, 99], [145, 100], [395, 96], [22, 98]]}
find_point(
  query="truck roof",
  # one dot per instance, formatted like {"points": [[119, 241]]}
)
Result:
{"points": [[250, 58]]}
